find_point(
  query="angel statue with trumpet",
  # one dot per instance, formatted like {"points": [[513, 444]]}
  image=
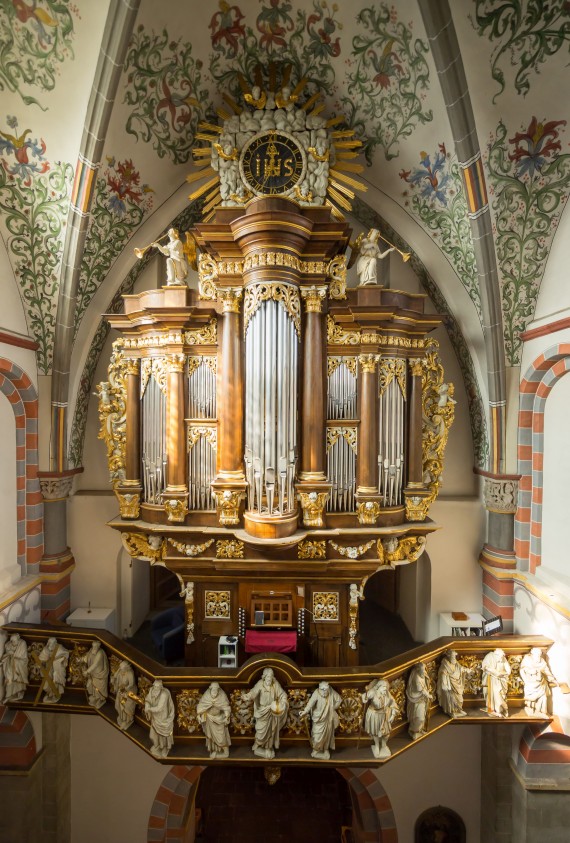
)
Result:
{"points": [[178, 256], [366, 252]]}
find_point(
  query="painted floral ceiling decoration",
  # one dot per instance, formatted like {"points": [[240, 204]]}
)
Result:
{"points": [[372, 64]]}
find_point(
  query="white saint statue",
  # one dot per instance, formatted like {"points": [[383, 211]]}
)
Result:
{"points": [[322, 707], [96, 675], [368, 255], [270, 706], [176, 265], [159, 711], [380, 714], [213, 712], [418, 699], [538, 680], [124, 683], [56, 658], [15, 668], [450, 684], [496, 671]]}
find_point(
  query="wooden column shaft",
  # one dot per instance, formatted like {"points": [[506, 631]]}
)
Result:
{"points": [[313, 402], [175, 427], [133, 426], [367, 475], [231, 400], [415, 460]]}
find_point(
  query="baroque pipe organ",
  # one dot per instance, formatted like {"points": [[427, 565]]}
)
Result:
{"points": [[274, 437]]}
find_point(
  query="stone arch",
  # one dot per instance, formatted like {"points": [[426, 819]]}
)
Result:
{"points": [[20, 392], [544, 753], [17, 739], [169, 813], [439, 819], [372, 807], [534, 390]]}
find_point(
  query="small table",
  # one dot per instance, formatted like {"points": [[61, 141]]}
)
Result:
{"points": [[270, 641], [93, 619]]}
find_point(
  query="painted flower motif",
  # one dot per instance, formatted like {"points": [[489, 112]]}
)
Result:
{"points": [[533, 147], [273, 23], [226, 25], [322, 45], [387, 65], [430, 179], [24, 151], [124, 186], [177, 105]]}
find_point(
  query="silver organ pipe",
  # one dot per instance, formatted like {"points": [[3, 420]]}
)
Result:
{"points": [[153, 438], [201, 440], [342, 388], [391, 431], [341, 468], [271, 354]]}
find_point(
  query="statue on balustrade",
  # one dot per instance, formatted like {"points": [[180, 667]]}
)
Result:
{"points": [[159, 711], [380, 714], [451, 684], [369, 253], [56, 658], [124, 683], [419, 696], [538, 679], [496, 671], [96, 675], [270, 706], [322, 707], [213, 712], [15, 668]]}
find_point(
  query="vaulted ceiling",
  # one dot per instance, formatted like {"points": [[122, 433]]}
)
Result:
{"points": [[101, 106]]}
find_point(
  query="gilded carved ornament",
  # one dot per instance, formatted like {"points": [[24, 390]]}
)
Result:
{"points": [[76, 667], [368, 363], [145, 546], [337, 335], [194, 363], [314, 297], [160, 340], [217, 605], [285, 294], [353, 616], [207, 275], [210, 434], [347, 433], [187, 717], [333, 362], [295, 724], [417, 506], [176, 509], [228, 503], [229, 549], [336, 272], [350, 711], [129, 503], [326, 605], [368, 512], [438, 412], [175, 362], [392, 368], [352, 552], [312, 549], [230, 298], [416, 365], [313, 505], [406, 549], [206, 335], [113, 414], [398, 691], [191, 550], [241, 717]]}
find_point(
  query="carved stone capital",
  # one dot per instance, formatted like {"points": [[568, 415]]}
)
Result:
{"points": [[500, 495], [368, 363], [55, 488], [312, 504], [230, 298], [175, 362], [129, 504], [228, 503], [176, 509], [416, 365], [314, 297], [368, 512]]}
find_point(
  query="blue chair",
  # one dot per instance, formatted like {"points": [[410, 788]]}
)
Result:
{"points": [[167, 630]]}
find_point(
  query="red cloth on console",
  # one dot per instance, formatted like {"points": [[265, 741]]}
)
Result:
{"points": [[270, 641]]}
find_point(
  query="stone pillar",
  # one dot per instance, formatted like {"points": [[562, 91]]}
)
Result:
{"points": [[368, 502], [496, 781], [176, 493], [229, 486], [497, 557], [57, 561]]}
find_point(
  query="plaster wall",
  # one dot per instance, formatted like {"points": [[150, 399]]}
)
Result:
{"points": [[13, 317], [9, 568]]}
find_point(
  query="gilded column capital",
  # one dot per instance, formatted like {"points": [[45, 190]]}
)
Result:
{"points": [[230, 299], [416, 365], [228, 503], [129, 504], [176, 509], [175, 362], [368, 363], [312, 504], [133, 366], [314, 297], [368, 512]]}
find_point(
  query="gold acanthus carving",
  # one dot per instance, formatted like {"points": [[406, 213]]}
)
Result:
{"points": [[207, 335], [76, 667], [176, 509], [390, 368], [228, 503], [313, 505], [398, 691], [241, 717], [209, 433], [309, 549], [473, 679], [262, 259], [286, 294], [186, 703], [113, 413], [191, 549], [156, 368], [194, 364], [229, 549], [144, 546], [368, 512], [326, 605], [175, 362], [417, 506], [407, 549], [352, 552], [351, 363], [207, 275], [230, 298], [416, 365], [368, 363], [348, 433], [146, 370], [350, 711], [217, 605], [132, 366], [336, 272], [295, 724], [314, 297], [129, 503], [438, 412], [515, 685], [337, 335]]}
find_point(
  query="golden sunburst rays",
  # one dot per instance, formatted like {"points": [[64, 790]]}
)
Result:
{"points": [[209, 190], [341, 187]]}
